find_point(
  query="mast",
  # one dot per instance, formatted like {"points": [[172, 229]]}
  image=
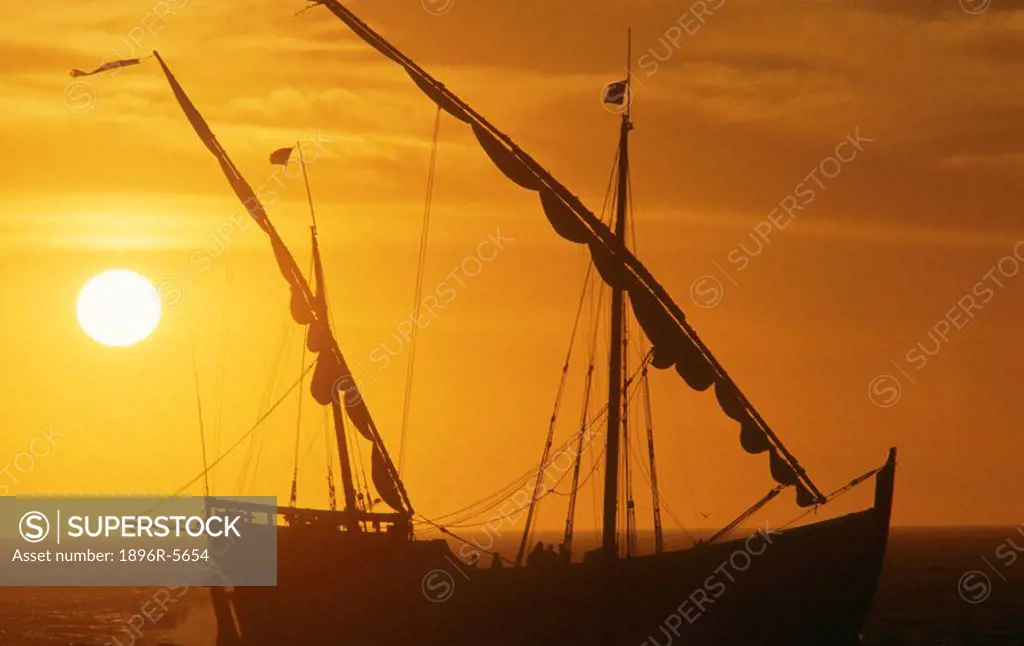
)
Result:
{"points": [[316, 269], [615, 368], [346, 468], [308, 309], [347, 484]]}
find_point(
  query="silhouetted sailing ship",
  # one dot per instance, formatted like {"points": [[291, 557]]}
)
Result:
{"points": [[355, 576]]}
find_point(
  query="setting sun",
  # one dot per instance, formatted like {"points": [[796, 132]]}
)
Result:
{"points": [[118, 307]]}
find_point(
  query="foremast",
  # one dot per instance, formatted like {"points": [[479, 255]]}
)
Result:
{"points": [[348, 487], [332, 383]]}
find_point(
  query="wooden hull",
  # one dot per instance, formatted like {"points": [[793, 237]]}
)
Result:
{"points": [[806, 586]]}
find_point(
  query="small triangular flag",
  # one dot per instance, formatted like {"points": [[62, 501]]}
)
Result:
{"points": [[281, 156], [615, 93], [111, 65]]}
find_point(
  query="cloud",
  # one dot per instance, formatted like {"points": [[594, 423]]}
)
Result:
{"points": [[738, 112]]}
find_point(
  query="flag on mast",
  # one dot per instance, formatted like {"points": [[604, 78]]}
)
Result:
{"points": [[615, 93], [281, 156], [110, 65]]}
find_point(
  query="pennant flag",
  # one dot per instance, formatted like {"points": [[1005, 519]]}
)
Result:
{"points": [[616, 92], [112, 65], [281, 156]]}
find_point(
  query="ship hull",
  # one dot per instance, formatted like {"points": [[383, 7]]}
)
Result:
{"points": [[806, 586]]}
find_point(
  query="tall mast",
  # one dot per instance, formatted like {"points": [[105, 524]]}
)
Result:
{"points": [[347, 484], [615, 369], [332, 368], [346, 467]]}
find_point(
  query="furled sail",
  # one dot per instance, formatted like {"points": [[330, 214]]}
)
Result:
{"points": [[332, 377], [675, 342], [385, 486], [562, 219], [318, 338]]}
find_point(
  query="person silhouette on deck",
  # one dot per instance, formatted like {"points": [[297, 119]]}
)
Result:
{"points": [[564, 553], [551, 559], [536, 556]]}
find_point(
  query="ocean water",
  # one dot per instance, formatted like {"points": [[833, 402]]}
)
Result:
{"points": [[940, 587]]}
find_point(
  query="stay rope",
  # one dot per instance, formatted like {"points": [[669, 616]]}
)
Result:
{"points": [[246, 435], [528, 529], [293, 497], [493, 500], [420, 270]]}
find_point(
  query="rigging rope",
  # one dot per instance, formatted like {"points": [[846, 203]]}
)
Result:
{"points": [[593, 469], [420, 270], [331, 491], [332, 494], [503, 494], [497, 496], [653, 479], [225, 327], [777, 490], [570, 516], [664, 503], [364, 494], [202, 429], [283, 344], [770, 496], [444, 530], [627, 479], [293, 497], [596, 463], [643, 350], [594, 491], [245, 436], [835, 494], [528, 529], [548, 492], [309, 446], [492, 500]]}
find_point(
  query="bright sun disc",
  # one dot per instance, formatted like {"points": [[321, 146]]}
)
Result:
{"points": [[119, 307]]}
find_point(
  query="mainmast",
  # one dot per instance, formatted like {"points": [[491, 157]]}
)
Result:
{"points": [[675, 342], [616, 372]]}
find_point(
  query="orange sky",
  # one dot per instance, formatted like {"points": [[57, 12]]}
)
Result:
{"points": [[734, 118]]}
